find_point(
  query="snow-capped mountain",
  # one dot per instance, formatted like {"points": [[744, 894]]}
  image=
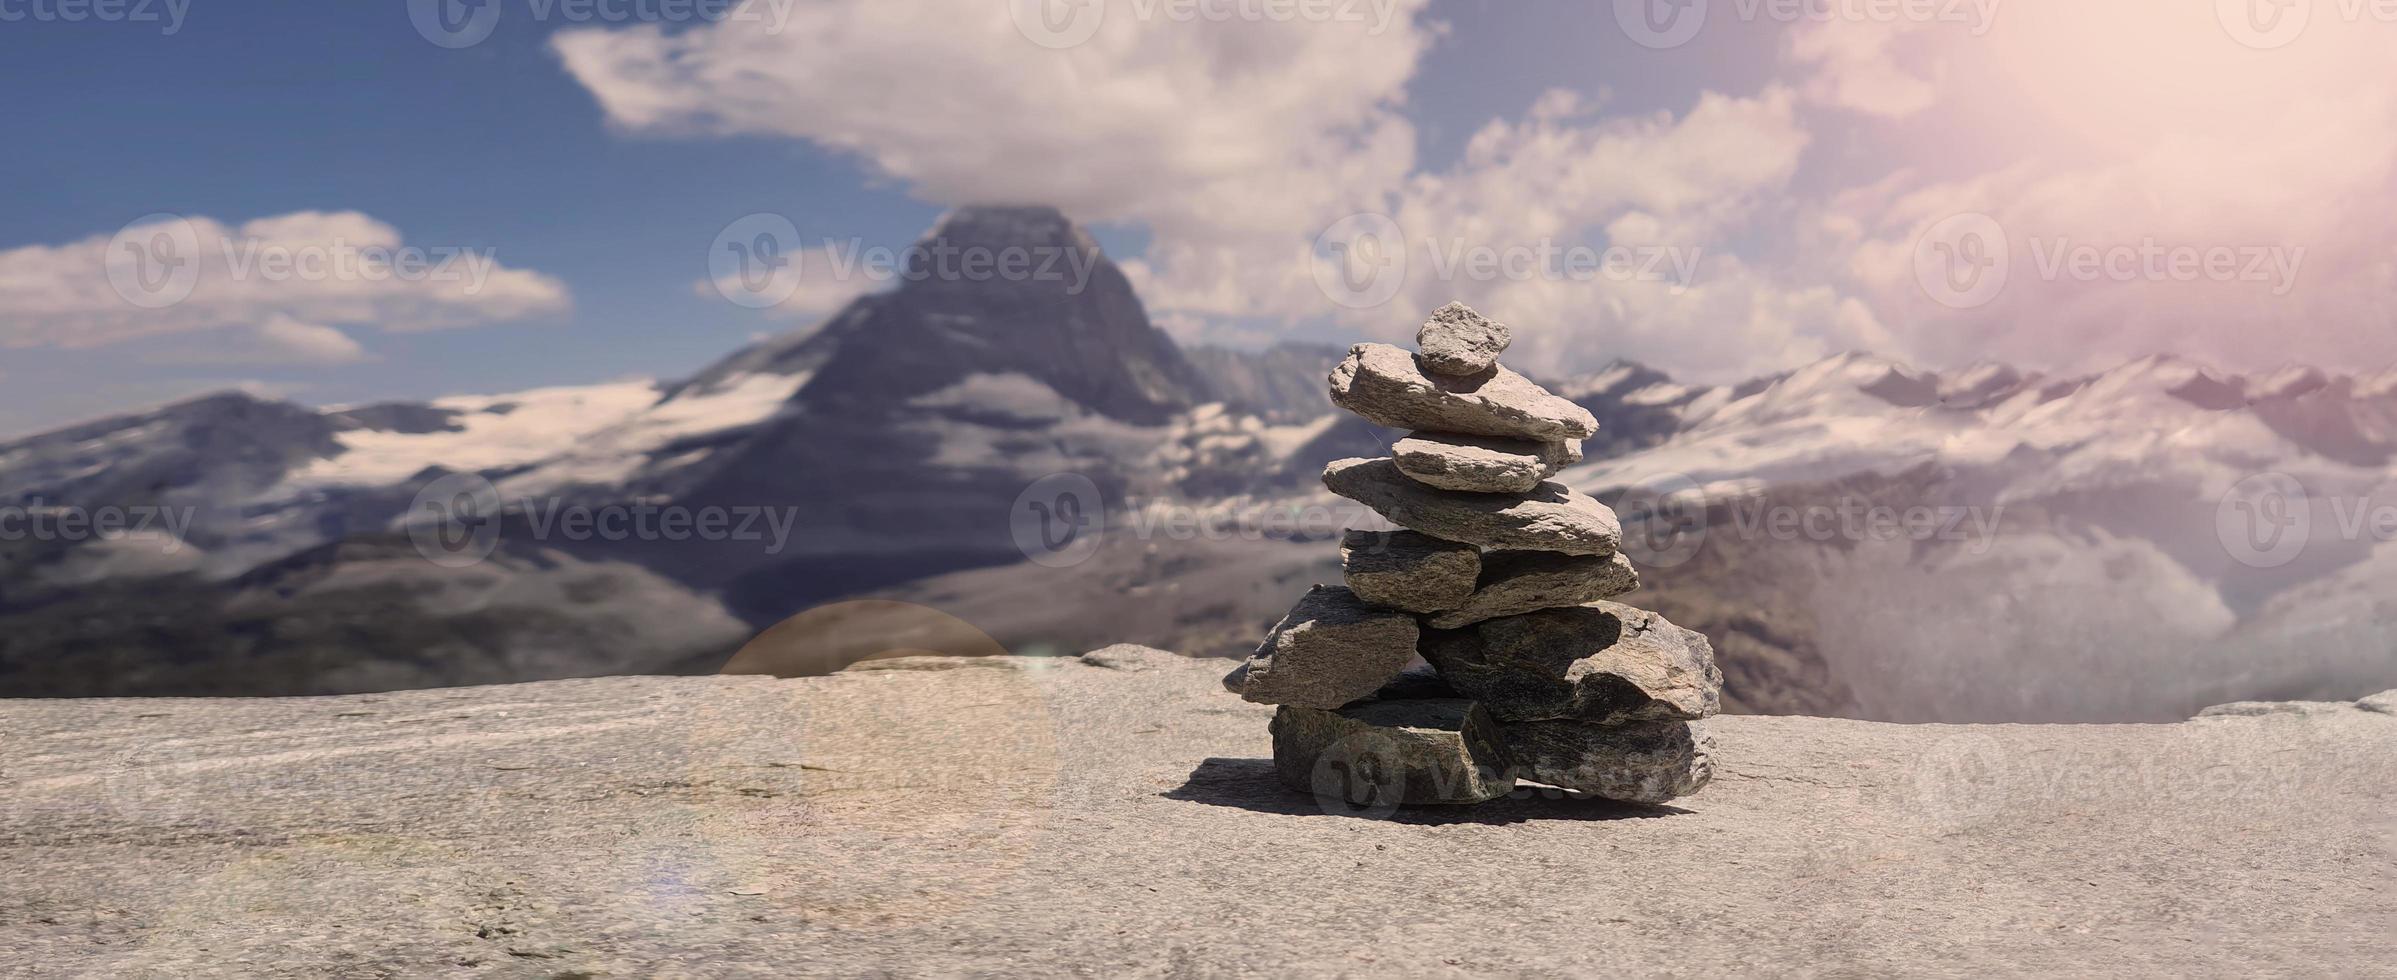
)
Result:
{"points": [[2080, 569]]}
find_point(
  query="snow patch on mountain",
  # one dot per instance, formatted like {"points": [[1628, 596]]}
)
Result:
{"points": [[484, 433], [659, 436]]}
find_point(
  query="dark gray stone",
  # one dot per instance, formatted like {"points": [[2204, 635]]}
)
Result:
{"points": [[1649, 762], [1408, 570], [1602, 663], [1517, 582], [1332, 649], [1393, 753]]}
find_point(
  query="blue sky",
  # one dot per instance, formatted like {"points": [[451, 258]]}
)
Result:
{"points": [[609, 178]]}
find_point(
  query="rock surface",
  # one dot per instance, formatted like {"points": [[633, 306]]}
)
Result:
{"points": [[1392, 753], [1552, 518], [1457, 340], [1408, 570], [1601, 664], [1480, 464], [1650, 762], [1330, 650], [1055, 817], [1386, 386], [1517, 582]]}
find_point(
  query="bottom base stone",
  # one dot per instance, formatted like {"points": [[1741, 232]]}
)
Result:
{"points": [[1393, 753], [1647, 762]]}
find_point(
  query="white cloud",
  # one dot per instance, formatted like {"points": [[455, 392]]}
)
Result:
{"points": [[1855, 65], [820, 282], [2170, 148], [1235, 144], [271, 290]]}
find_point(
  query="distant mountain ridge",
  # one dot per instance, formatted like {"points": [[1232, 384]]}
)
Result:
{"points": [[903, 429]]}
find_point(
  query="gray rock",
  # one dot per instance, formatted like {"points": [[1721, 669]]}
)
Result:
{"points": [[1386, 386], [1650, 762], [1602, 664], [1130, 656], [1480, 464], [1551, 518], [1517, 582], [1237, 681], [2383, 703], [1457, 340], [1392, 753], [2256, 709], [1408, 569], [1417, 683], [1332, 649]]}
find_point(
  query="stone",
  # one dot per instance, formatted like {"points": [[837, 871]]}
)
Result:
{"points": [[1601, 663], [1408, 569], [1417, 683], [1457, 340], [1237, 681], [2258, 709], [1393, 753], [1552, 517], [2383, 703], [1480, 464], [1650, 762], [1130, 656], [1517, 582], [1386, 386], [1332, 649]]}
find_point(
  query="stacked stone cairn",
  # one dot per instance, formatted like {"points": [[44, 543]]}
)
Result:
{"points": [[1499, 580]]}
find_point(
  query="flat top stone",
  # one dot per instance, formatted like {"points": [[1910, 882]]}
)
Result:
{"points": [[981, 821], [1552, 517], [1386, 386]]}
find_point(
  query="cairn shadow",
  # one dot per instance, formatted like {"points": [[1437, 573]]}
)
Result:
{"points": [[1250, 784]]}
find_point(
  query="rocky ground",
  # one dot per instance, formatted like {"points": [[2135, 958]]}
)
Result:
{"points": [[1116, 815]]}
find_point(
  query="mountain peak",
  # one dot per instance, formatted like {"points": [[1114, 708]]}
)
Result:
{"points": [[1003, 290]]}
